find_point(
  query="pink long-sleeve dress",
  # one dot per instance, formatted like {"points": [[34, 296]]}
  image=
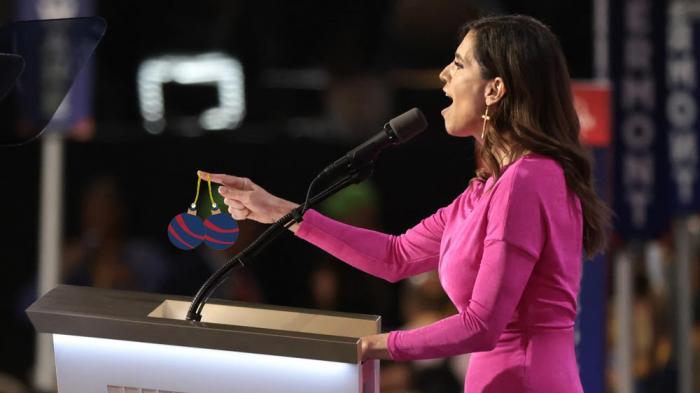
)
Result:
{"points": [[509, 257]]}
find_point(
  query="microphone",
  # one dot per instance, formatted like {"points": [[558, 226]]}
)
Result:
{"points": [[398, 130]]}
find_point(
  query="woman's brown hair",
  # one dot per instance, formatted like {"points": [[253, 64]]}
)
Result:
{"points": [[537, 112]]}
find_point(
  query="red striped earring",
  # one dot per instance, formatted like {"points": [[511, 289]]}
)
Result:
{"points": [[186, 231], [221, 229]]}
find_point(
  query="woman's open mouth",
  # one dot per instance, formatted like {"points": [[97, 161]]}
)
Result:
{"points": [[449, 105]]}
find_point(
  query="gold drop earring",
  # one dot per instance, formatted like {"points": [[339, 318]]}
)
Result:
{"points": [[486, 118]]}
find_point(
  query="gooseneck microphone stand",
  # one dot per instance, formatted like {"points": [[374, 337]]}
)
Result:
{"points": [[272, 232]]}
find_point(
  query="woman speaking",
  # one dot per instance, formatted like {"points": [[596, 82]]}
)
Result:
{"points": [[509, 249]]}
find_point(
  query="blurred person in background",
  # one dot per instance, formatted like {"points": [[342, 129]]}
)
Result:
{"points": [[508, 250], [103, 255], [652, 343]]}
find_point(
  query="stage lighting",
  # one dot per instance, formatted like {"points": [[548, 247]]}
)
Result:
{"points": [[217, 70]]}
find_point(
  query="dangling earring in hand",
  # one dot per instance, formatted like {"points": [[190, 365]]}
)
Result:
{"points": [[486, 118], [187, 231], [221, 228]]}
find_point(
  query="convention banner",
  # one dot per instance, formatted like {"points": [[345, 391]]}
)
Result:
{"points": [[54, 58], [640, 166], [682, 56]]}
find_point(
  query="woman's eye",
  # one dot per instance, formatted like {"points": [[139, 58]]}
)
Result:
{"points": [[457, 64]]}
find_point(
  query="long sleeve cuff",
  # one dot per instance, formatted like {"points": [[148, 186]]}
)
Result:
{"points": [[391, 346], [306, 225]]}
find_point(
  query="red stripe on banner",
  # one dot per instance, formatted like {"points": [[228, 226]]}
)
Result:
{"points": [[216, 228], [208, 238], [172, 231], [183, 224]]}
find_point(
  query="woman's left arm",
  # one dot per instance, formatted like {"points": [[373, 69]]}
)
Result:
{"points": [[514, 239], [498, 289], [504, 273]]}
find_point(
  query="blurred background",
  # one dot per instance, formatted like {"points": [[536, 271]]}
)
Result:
{"points": [[276, 90]]}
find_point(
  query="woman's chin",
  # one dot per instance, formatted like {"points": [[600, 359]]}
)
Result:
{"points": [[458, 129], [445, 115], [458, 132], [448, 128]]}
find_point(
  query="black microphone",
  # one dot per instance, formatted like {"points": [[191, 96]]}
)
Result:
{"points": [[398, 130]]}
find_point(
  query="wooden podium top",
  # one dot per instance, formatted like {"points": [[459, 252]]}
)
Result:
{"points": [[226, 325]]}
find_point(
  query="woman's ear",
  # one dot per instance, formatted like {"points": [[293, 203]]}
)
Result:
{"points": [[495, 90]]}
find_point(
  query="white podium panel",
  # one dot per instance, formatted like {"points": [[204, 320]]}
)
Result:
{"points": [[128, 342], [90, 365]]}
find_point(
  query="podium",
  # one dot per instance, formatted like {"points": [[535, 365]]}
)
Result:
{"points": [[115, 341]]}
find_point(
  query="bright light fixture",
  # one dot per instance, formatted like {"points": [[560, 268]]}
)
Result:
{"points": [[218, 69]]}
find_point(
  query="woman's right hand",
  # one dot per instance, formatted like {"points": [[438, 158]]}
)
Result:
{"points": [[248, 201]]}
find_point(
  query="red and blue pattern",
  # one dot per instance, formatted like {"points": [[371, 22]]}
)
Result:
{"points": [[186, 231], [221, 231]]}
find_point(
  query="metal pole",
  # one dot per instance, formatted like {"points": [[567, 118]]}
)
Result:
{"points": [[601, 44], [685, 307], [623, 312], [50, 229]]}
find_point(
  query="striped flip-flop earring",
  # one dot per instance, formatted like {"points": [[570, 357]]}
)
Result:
{"points": [[221, 228], [186, 230]]}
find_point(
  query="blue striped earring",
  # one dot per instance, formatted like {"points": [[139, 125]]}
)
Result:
{"points": [[186, 230], [221, 229]]}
